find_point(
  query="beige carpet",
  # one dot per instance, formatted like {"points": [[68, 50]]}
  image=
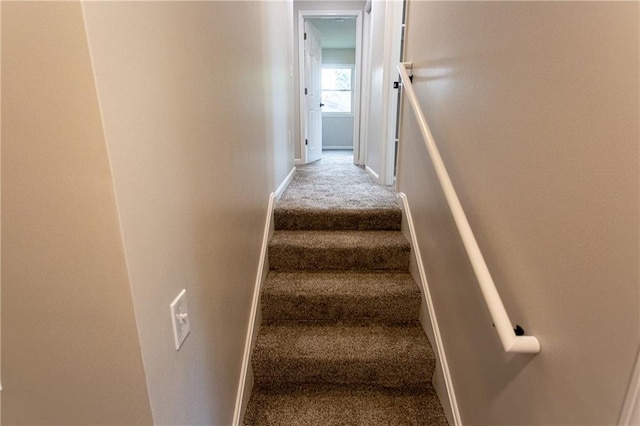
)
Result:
{"points": [[334, 194], [340, 342]]}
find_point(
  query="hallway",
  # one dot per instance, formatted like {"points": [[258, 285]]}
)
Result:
{"points": [[144, 145]]}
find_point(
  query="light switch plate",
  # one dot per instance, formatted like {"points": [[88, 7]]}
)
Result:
{"points": [[180, 318]]}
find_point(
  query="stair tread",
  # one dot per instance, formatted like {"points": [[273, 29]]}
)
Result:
{"points": [[344, 341], [340, 405], [345, 353]]}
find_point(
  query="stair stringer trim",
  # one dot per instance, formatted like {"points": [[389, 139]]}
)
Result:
{"points": [[245, 383], [285, 183], [446, 393]]}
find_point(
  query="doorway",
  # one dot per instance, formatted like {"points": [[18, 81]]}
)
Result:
{"points": [[330, 58]]}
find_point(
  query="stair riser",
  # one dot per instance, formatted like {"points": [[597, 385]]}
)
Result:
{"points": [[396, 309], [392, 373], [339, 221], [287, 258], [344, 405]]}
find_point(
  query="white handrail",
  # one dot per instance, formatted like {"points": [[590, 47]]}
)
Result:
{"points": [[510, 341]]}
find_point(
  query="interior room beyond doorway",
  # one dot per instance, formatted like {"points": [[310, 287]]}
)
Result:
{"points": [[338, 41]]}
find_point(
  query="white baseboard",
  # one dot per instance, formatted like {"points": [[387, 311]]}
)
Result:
{"points": [[284, 184], [331, 148], [298, 161], [446, 393], [630, 414], [245, 383], [374, 174]]}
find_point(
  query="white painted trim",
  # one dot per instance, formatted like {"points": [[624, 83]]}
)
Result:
{"points": [[357, 110], [246, 379], [372, 173], [391, 55], [339, 148], [284, 184], [630, 414], [301, 80], [439, 346], [298, 162], [366, 87]]}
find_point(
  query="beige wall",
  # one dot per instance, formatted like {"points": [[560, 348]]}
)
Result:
{"points": [[70, 350], [196, 101], [535, 108], [0, 212]]}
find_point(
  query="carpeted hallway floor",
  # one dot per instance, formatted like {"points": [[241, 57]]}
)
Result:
{"points": [[340, 342]]}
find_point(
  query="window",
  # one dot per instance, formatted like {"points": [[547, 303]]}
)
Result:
{"points": [[337, 94]]}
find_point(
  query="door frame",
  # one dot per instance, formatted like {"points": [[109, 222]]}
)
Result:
{"points": [[302, 15], [393, 30]]}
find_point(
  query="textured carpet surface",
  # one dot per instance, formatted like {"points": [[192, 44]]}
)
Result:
{"points": [[339, 250], [340, 341], [389, 356], [346, 405], [333, 193], [334, 296]]}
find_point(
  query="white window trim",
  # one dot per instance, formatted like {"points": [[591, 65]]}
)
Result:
{"points": [[353, 79]]}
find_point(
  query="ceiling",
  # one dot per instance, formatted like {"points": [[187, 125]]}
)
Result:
{"points": [[336, 32]]}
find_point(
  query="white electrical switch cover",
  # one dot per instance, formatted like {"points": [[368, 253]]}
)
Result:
{"points": [[180, 318]]}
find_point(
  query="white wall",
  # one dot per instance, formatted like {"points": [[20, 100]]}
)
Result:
{"points": [[535, 108], [196, 102], [339, 56], [337, 132]]}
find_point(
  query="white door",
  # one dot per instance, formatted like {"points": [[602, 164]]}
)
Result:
{"points": [[313, 92]]}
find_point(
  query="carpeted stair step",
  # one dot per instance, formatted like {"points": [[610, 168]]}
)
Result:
{"points": [[332, 218], [391, 356], [379, 297], [340, 341], [313, 250], [343, 405]]}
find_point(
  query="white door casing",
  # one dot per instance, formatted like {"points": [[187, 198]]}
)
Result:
{"points": [[392, 55], [383, 54], [313, 92], [358, 135]]}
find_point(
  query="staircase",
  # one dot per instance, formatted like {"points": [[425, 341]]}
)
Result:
{"points": [[340, 341]]}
